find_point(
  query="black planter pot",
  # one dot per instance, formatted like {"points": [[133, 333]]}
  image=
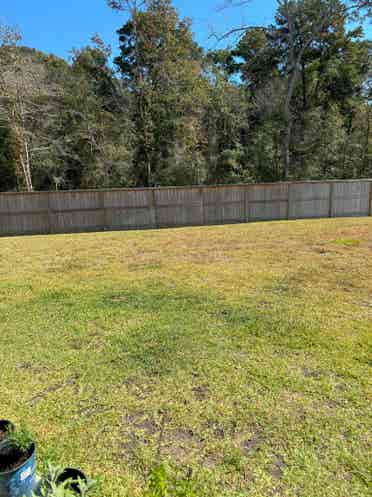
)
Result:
{"points": [[72, 475]]}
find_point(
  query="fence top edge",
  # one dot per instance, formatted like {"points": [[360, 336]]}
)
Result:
{"points": [[191, 187]]}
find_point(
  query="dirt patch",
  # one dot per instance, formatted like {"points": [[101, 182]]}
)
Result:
{"points": [[53, 388], [200, 392], [321, 250], [137, 388], [140, 422], [219, 432], [179, 442], [212, 460], [277, 468], [119, 298], [76, 344], [248, 444], [28, 366], [183, 435], [146, 266], [311, 373], [140, 430], [331, 404]]}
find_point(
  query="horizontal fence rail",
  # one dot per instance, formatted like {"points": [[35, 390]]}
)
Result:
{"points": [[124, 209]]}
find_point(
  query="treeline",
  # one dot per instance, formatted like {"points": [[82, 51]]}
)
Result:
{"points": [[290, 100]]}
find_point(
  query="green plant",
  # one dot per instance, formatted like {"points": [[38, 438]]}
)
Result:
{"points": [[234, 460], [163, 482], [51, 488], [21, 438]]}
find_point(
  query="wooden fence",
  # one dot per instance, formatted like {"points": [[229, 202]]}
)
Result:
{"points": [[122, 209]]}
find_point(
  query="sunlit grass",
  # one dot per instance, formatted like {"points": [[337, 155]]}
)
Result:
{"points": [[239, 351]]}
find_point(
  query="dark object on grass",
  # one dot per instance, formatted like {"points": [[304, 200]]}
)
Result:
{"points": [[73, 477]]}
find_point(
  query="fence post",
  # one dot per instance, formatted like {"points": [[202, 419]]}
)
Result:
{"points": [[202, 216], [370, 198], [247, 203], [102, 207], [50, 225], [154, 217], [331, 191], [289, 206]]}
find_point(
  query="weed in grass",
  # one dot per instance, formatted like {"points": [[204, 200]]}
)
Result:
{"points": [[347, 242]]}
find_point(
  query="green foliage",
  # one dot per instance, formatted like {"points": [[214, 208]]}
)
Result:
{"points": [[69, 488], [21, 438], [8, 158], [162, 67], [162, 482], [167, 113]]}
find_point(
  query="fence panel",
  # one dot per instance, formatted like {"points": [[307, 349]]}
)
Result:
{"points": [[309, 200], [268, 202], [351, 198], [129, 209], [179, 207], [23, 213], [224, 205], [75, 211], [95, 210]]}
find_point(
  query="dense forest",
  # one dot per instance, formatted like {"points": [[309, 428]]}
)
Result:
{"points": [[290, 100]]}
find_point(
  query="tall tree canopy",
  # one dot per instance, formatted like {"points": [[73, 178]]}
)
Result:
{"points": [[291, 100]]}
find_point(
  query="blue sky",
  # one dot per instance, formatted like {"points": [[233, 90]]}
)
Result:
{"points": [[58, 26]]}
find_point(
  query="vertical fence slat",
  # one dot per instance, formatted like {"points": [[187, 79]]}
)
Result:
{"points": [[331, 193], [102, 205], [289, 202], [247, 204], [202, 214]]}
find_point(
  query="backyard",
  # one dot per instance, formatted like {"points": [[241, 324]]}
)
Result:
{"points": [[239, 352]]}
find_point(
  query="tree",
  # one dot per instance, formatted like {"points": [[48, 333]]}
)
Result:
{"points": [[96, 148], [8, 158], [309, 50], [15, 83], [162, 68]]}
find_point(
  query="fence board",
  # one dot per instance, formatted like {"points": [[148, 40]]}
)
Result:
{"points": [[95, 210]]}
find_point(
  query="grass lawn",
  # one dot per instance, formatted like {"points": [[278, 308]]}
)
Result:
{"points": [[239, 351]]}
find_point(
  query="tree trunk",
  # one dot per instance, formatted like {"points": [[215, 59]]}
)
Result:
{"points": [[364, 168], [286, 147]]}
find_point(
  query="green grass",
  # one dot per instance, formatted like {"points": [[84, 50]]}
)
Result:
{"points": [[240, 352]]}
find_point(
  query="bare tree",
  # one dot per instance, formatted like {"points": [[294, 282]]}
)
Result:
{"points": [[15, 85]]}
